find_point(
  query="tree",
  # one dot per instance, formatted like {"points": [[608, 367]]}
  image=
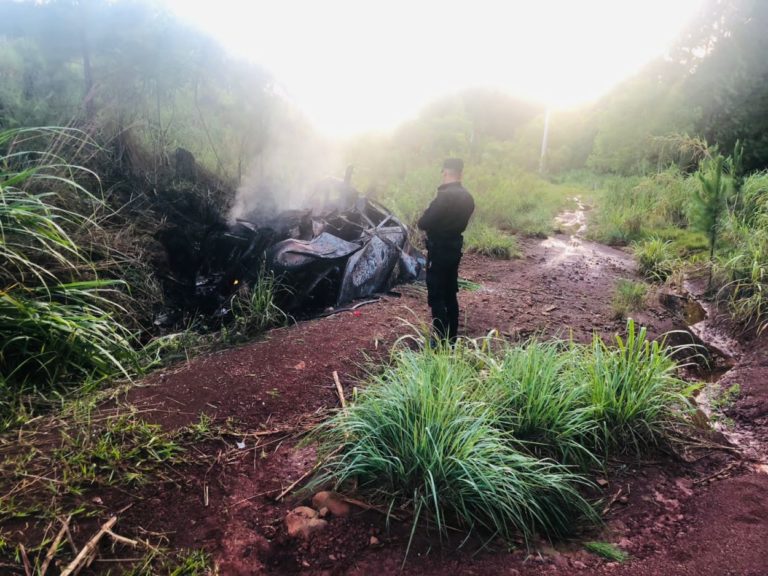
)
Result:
{"points": [[710, 202]]}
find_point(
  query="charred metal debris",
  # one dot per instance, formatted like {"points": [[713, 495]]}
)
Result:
{"points": [[339, 248]]}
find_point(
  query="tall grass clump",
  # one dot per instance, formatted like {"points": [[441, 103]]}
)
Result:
{"points": [[58, 320], [422, 435], [634, 391], [541, 403], [516, 201], [655, 259], [489, 437], [741, 268], [254, 307], [630, 209]]}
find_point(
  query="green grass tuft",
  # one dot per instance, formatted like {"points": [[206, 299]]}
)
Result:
{"points": [[488, 241], [468, 285], [655, 259], [60, 322], [607, 550], [254, 309], [541, 403], [628, 297], [635, 394]]}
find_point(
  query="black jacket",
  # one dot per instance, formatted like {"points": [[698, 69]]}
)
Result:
{"points": [[447, 216]]}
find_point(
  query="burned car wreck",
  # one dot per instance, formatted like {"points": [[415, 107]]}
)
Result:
{"points": [[339, 248]]}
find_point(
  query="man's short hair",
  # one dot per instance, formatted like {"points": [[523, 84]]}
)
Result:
{"points": [[454, 165]]}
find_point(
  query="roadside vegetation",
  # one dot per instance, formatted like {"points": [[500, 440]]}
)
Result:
{"points": [[64, 471], [507, 200], [499, 439], [60, 320], [712, 223], [70, 298], [656, 260]]}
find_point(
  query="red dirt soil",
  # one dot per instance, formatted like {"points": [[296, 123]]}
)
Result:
{"points": [[672, 517]]}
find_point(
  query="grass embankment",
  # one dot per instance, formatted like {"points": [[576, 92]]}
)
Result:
{"points": [[499, 439], [58, 318], [508, 201], [67, 316]]}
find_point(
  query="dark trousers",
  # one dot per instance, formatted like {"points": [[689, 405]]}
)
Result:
{"points": [[442, 286]]}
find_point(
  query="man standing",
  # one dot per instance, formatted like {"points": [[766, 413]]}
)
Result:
{"points": [[444, 222]]}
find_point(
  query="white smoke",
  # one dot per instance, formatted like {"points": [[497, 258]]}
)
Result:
{"points": [[285, 171]]}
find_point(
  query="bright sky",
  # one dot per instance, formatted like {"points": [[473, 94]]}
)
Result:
{"points": [[358, 65]]}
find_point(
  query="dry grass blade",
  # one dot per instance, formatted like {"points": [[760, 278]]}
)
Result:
{"points": [[339, 390], [90, 547], [55, 545]]}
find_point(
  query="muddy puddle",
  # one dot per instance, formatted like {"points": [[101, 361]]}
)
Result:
{"points": [[575, 223], [574, 220], [571, 245]]}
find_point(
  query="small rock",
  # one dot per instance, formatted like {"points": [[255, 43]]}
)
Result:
{"points": [[305, 564], [624, 543], [374, 541], [303, 521], [305, 512], [335, 504], [331, 557], [579, 565], [602, 482], [323, 512]]}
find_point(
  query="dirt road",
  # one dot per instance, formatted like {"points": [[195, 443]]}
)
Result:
{"points": [[668, 514]]}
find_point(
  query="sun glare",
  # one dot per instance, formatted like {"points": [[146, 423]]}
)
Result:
{"points": [[358, 66]]}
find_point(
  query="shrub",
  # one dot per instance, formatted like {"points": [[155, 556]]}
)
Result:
{"points": [[634, 391]]}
